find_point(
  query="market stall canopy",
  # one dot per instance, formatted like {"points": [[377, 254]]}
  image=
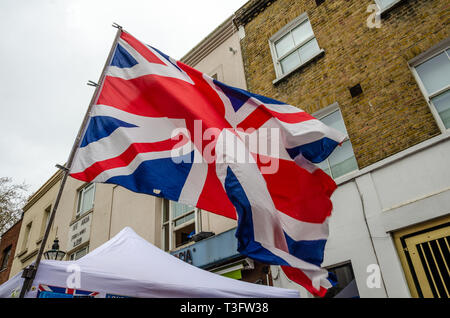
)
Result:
{"points": [[128, 265]]}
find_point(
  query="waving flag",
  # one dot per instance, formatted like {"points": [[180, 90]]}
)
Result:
{"points": [[163, 128]]}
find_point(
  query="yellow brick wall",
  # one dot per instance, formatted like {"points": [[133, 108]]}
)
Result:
{"points": [[391, 114]]}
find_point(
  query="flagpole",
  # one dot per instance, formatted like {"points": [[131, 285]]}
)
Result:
{"points": [[29, 273]]}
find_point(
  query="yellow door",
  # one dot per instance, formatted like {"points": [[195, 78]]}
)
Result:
{"points": [[424, 251]]}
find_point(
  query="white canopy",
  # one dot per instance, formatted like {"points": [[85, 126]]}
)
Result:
{"points": [[128, 265]]}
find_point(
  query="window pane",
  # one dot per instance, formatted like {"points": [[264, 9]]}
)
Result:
{"points": [[435, 73], [335, 121], [309, 50], [81, 253], [183, 235], [284, 45], [290, 62], [442, 104], [88, 199], [344, 276], [185, 219], [179, 208], [6, 253], [302, 32], [342, 160]]}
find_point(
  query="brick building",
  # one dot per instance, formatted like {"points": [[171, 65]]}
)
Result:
{"points": [[379, 70], [391, 114], [8, 245]]}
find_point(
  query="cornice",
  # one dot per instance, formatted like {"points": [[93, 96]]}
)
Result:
{"points": [[250, 10], [43, 190]]}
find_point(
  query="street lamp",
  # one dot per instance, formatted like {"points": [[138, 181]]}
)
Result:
{"points": [[55, 253]]}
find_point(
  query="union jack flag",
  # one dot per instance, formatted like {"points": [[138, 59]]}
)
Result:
{"points": [[61, 291], [155, 117]]}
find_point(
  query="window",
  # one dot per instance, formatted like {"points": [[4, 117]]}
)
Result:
{"points": [[79, 254], [342, 160], [5, 257], [86, 199], [26, 236], [386, 4], [179, 224], [45, 219], [294, 46], [433, 75], [345, 282]]}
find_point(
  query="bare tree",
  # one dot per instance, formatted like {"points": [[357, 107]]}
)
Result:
{"points": [[12, 199]]}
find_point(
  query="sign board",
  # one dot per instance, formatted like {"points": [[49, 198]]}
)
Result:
{"points": [[80, 231], [210, 251]]}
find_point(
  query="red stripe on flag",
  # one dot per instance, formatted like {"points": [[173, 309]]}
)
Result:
{"points": [[213, 197], [128, 156], [262, 114], [296, 275], [290, 118], [298, 193], [141, 48], [256, 119]]}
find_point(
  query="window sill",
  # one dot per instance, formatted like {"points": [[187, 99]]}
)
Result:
{"points": [[39, 240], [21, 253], [29, 255], [319, 54]]}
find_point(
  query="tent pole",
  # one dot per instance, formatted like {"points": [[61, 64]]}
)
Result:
{"points": [[29, 273]]}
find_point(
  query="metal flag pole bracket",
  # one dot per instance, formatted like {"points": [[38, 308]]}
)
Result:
{"points": [[91, 83], [60, 167], [30, 272]]}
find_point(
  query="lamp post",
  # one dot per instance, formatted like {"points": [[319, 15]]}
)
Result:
{"points": [[55, 253]]}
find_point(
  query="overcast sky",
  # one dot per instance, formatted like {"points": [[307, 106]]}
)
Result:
{"points": [[51, 48]]}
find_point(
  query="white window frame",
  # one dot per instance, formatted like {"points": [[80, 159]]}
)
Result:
{"points": [[386, 8], [324, 113], [281, 33], [420, 59], [171, 224], [80, 197]]}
